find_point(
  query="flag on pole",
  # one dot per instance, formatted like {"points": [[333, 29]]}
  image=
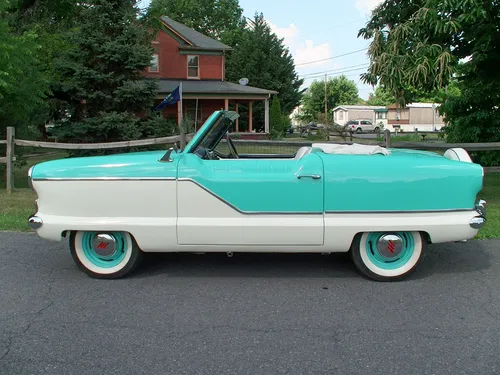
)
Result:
{"points": [[172, 98]]}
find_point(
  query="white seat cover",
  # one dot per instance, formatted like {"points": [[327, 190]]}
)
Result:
{"points": [[354, 149]]}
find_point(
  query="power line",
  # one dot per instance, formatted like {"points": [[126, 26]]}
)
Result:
{"points": [[334, 74], [335, 70], [333, 57]]}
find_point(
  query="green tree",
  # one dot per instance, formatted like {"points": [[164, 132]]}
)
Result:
{"points": [[381, 97], [23, 85], [276, 119], [99, 89], [339, 90], [262, 57], [425, 44], [219, 19]]}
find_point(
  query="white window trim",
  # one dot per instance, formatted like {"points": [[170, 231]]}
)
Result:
{"points": [[187, 67], [157, 63]]}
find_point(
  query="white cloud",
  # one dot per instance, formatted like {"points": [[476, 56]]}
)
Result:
{"points": [[366, 6], [310, 52], [302, 52], [290, 33]]}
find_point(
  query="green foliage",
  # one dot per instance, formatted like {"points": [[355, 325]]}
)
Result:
{"points": [[262, 57], [276, 119], [339, 90], [99, 89], [381, 97], [219, 19], [431, 45], [23, 85]]}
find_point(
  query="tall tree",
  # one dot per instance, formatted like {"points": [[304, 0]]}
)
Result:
{"points": [[339, 90], [425, 43], [99, 89], [219, 19], [261, 56], [23, 85]]}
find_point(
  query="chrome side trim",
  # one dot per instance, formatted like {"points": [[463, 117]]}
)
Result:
{"points": [[399, 211], [247, 212], [106, 179]]}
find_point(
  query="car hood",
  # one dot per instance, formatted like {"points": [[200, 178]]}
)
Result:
{"points": [[134, 165]]}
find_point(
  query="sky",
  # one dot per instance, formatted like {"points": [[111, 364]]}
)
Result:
{"points": [[319, 30]]}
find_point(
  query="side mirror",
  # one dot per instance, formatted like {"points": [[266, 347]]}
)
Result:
{"points": [[166, 157]]}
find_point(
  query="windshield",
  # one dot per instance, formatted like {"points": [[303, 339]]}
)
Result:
{"points": [[214, 135]]}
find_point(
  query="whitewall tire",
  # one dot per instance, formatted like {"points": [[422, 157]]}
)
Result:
{"points": [[105, 255], [388, 256]]}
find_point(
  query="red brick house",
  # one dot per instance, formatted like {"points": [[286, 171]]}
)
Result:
{"points": [[185, 55]]}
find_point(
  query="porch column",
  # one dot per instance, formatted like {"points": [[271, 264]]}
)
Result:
{"points": [[226, 104], [266, 116], [250, 117], [237, 120]]}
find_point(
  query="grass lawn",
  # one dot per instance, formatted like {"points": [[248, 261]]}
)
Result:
{"points": [[16, 207]]}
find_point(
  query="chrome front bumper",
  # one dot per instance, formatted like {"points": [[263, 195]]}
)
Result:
{"points": [[478, 222], [35, 222]]}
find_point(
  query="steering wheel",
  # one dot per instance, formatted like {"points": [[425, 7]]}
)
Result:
{"points": [[232, 149]]}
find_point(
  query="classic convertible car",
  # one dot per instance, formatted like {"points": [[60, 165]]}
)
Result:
{"points": [[384, 206]]}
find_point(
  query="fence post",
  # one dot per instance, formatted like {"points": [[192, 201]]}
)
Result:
{"points": [[387, 138], [10, 157]]}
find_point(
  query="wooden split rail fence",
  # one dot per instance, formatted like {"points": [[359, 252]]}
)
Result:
{"points": [[11, 142]]}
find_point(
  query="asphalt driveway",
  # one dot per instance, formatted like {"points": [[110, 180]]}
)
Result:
{"points": [[251, 314]]}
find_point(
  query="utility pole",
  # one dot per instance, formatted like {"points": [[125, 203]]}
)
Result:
{"points": [[326, 102]]}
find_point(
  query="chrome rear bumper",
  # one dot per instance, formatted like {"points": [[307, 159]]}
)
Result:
{"points": [[478, 222]]}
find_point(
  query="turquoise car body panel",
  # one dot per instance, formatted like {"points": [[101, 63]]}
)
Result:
{"points": [[132, 165], [403, 181], [406, 180], [255, 186]]}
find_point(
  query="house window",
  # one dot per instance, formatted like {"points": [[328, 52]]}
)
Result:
{"points": [[154, 66], [193, 67], [341, 115], [381, 115]]}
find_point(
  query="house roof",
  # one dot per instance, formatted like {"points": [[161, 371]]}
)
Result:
{"points": [[193, 37], [210, 87], [416, 105], [360, 107]]}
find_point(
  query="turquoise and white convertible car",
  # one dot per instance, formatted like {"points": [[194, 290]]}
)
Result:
{"points": [[382, 205]]}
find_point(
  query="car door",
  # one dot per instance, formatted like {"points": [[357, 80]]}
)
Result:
{"points": [[250, 201]]}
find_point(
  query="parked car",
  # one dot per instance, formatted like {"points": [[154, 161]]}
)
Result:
{"points": [[114, 208], [360, 126]]}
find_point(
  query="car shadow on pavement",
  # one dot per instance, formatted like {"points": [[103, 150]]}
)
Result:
{"points": [[439, 259], [454, 258], [246, 265]]}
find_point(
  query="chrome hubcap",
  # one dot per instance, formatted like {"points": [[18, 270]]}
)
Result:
{"points": [[104, 245], [390, 246]]}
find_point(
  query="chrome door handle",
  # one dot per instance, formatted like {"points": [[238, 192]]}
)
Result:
{"points": [[313, 176]]}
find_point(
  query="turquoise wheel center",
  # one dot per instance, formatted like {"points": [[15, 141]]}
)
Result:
{"points": [[390, 251], [104, 250]]}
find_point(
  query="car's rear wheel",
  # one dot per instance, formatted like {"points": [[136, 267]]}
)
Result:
{"points": [[105, 255], [388, 256]]}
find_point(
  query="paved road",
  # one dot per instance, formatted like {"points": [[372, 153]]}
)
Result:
{"points": [[252, 314]]}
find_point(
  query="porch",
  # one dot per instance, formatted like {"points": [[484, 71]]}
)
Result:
{"points": [[201, 98]]}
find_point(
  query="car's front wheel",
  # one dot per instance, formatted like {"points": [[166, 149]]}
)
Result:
{"points": [[105, 255], [388, 256]]}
